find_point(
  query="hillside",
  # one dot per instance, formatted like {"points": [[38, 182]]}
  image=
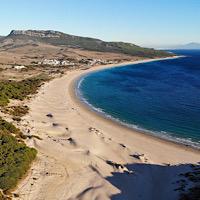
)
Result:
{"points": [[192, 45], [19, 38]]}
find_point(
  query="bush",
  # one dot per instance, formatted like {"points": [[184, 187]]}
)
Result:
{"points": [[18, 90], [15, 156], [10, 129], [7, 127], [15, 159], [16, 111]]}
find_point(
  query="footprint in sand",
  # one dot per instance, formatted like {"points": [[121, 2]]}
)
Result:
{"points": [[72, 141], [122, 145], [96, 131]]}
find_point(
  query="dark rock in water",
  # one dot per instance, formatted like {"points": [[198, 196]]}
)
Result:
{"points": [[49, 115]]}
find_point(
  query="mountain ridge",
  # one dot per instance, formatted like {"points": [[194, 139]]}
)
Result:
{"points": [[58, 38]]}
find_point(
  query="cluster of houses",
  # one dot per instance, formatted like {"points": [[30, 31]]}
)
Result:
{"points": [[92, 62], [86, 62], [55, 62]]}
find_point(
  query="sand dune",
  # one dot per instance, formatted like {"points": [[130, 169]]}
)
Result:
{"points": [[83, 156]]}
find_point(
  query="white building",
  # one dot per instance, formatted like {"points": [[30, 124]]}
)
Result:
{"points": [[54, 62], [51, 62], [19, 67]]}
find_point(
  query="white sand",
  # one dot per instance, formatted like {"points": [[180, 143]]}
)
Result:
{"points": [[71, 162]]}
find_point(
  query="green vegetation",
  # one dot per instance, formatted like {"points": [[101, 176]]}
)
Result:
{"points": [[9, 128], [15, 156], [98, 45], [92, 44], [15, 159], [18, 90], [135, 50], [16, 111]]}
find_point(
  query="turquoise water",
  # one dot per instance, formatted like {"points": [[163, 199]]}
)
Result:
{"points": [[160, 98]]}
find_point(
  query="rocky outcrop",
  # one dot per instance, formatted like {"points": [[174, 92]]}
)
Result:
{"points": [[37, 33]]}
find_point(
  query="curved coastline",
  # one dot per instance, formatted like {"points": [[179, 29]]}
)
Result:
{"points": [[163, 137], [78, 149]]}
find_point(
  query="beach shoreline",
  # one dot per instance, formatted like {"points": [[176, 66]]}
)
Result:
{"points": [[148, 134], [80, 149], [101, 116]]}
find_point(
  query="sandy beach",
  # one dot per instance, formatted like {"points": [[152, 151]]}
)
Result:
{"points": [[84, 156]]}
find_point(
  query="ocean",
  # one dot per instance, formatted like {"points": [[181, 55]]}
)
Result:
{"points": [[160, 98]]}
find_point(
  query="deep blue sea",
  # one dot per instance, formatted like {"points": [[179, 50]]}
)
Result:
{"points": [[160, 97]]}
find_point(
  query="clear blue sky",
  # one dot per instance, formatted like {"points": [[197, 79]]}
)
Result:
{"points": [[144, 22]]}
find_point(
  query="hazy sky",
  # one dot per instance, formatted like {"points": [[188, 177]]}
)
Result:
{"points": [[144, 22]]}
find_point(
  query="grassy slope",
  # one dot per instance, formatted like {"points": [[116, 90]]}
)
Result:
{"points": [[98, 45], [94, 45]]}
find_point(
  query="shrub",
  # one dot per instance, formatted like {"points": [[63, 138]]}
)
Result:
{"points": [[17, 111], [18, 90], [15, 159], [10, 129]]}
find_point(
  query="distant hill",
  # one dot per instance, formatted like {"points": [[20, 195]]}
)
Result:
{"points": [[18, 38], [191, 45]]}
